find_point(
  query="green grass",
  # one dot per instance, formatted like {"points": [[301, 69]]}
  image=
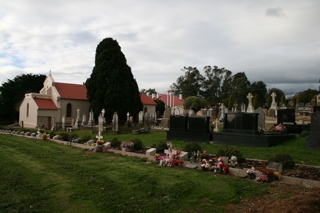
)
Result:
{"points": [[43, 176]]}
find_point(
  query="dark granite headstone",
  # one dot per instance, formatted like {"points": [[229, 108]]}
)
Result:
{"points": [[286, 116], [241, 122], [178, 123], [313, 139], [199, 124]]}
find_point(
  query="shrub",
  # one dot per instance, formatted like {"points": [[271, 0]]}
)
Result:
{"points": [[286, 160], [65, 136], [85, 138], [304, 133], [44, 136], [138, 144], [193, 147], [115, 143], [161, 146], [229, 151]]}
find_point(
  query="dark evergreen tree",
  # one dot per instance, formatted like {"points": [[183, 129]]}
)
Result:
{"points": [[160, 106], [260, 89], [240, 87], [12, 94], [111, 85]]}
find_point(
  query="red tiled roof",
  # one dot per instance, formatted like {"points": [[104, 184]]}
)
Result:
{"points": [[146, 100], [175, 101], [45, 103], [72, 91]]}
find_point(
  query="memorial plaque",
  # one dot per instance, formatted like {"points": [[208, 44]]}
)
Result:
{"points": [[241, 122], [275, 166]]}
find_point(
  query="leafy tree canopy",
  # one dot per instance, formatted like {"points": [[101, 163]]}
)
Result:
{"points": [[148, 91], [111, 85], [190, 84], [195, 103], [305, 96], [12, 94]]}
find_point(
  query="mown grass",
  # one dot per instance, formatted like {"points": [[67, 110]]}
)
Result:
{"points": [[43, 176]]}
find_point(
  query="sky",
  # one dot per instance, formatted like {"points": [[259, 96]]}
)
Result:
{"points": [[274, 41]]}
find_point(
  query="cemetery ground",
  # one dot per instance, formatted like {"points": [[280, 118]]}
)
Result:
{"points": [[42, 176]]}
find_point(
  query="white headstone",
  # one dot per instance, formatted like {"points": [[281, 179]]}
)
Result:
{"points": [[100, 123], [222, 112], [250, 108], [273, 103], [115, 122], [84, 119]]}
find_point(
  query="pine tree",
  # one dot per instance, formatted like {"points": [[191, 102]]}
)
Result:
{"points": [[111, 85]]}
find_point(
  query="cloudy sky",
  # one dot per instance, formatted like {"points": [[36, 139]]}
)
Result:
{"points": [[277, 42]]}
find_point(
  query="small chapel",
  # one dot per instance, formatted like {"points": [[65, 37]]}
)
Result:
{"points": [[61, 102], [54, 101]]}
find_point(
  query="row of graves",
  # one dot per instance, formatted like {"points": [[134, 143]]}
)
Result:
{"points": [[243, 128]]}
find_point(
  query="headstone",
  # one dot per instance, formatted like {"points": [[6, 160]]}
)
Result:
{"points": [[286, 116], [235, 107], [243, 107], [250, 108], [140, 117], [216, 128], [84, 119], [115, 124], [261, 118], [241, 122], [204, 111], [53, 124], [190, 112], [313, 139], [199, 124], [78, 121], [90, 121], [100, 123], [176, 111], [273, 103], [178, 123], [38, 133], [222, 112]]}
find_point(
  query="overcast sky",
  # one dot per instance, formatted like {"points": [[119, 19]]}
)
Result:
{"points": [[277, 42]]}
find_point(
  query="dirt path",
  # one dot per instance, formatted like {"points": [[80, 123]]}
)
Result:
{"points": [[282, 198]]}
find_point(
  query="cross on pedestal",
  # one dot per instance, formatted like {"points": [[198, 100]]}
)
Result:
{"points": [[99, 137]]}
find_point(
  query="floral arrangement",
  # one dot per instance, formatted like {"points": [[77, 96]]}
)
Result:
{"points": [[100, 142], [171, 159], [127, 145], [216, 165], [280, 128], [251, 173], [263, 177]]}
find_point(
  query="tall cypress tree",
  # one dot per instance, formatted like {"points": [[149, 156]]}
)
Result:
{"points": [[111, 85]]}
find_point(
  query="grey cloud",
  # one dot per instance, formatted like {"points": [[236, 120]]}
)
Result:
{"points": [[275, 11]]}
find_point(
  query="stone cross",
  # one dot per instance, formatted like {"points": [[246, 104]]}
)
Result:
{"points": [[216, 129], [222, 112], [250, 108], [100, 123], [235, 107], [273, 103]]}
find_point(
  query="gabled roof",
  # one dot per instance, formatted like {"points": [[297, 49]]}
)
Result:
{"points": [[72, 91], [45, 104], [175, 100], [146, 100]]}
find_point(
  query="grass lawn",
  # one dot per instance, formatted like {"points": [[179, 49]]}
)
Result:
{"points": [[43, 176]]}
